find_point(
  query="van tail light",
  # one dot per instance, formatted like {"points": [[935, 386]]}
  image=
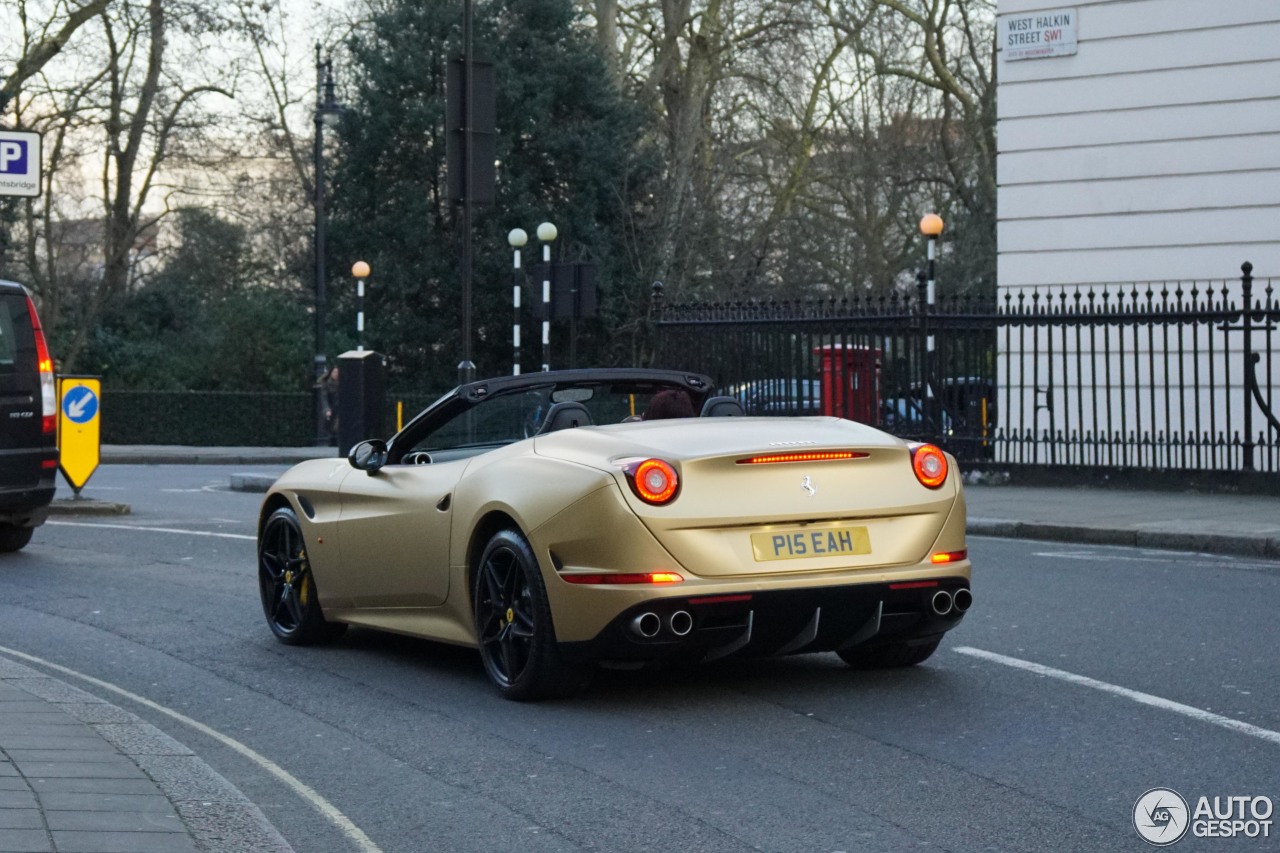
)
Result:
{"points": [[930, 465], [48, 394]]}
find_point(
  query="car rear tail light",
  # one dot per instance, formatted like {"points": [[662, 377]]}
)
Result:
{"points": [[949, 556], [48, 395], [628, 578], [805, 456], [930, 465], [654, 481]]}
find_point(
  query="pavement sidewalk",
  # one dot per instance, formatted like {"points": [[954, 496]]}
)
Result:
{"points": [[1247, 525], [81, 775]]}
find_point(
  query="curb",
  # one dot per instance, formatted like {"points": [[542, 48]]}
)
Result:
{"points": [[251, 482], [87, 506], [177, 455], [1211, 543]]}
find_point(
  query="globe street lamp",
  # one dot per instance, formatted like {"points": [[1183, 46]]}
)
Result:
{"points": [[930, 227], [547, 234], [327, 111], [360, 270], [517, 238]]}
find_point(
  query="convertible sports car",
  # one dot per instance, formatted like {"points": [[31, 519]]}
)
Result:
{"points": [[544, 520]]}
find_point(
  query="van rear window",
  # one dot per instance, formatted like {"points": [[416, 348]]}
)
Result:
{"points": [[15, 332]]}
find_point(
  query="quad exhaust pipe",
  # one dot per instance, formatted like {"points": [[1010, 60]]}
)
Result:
{"points": [[944, 603], [680, 623], [648, 625]]}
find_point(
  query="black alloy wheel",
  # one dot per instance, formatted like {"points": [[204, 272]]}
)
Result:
{"points": [[513, 624], [288, 590]]}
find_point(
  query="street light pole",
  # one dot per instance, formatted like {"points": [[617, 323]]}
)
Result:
{"points": [[517, 238], [327, 108], [361, 271], [547, 234], [930, 227]]}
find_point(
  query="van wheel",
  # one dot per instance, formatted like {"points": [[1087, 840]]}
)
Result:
{"points": [[14, 538]]}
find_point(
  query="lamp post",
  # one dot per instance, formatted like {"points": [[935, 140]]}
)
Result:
{"points": [[930, 227], [547, 234], [361, 271], [327, 111], [517, 238]]}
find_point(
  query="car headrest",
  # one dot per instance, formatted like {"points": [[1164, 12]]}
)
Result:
{"points": [[564, 416], [721, 407]]}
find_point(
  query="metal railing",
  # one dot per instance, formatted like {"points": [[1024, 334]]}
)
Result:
{"points": [[1158, 376]]}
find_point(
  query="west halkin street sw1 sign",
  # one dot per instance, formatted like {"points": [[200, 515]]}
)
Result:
{"points": [[79, 428]]}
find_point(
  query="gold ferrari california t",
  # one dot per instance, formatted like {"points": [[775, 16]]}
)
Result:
{"points": [[566, 520]]}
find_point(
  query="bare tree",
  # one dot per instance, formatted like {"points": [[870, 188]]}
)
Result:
{"points": [[42, 39], [136, 105], [947, 48]]}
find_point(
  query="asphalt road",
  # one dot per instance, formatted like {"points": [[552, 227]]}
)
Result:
{"points": [[406, 741]]}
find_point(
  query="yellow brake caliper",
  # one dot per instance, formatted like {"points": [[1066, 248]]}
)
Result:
{"points": [[305, 585]]}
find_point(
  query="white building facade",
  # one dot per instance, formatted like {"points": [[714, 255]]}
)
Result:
{"points": [[1139, 167]]}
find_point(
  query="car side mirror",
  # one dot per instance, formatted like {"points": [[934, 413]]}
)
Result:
{"points": [[368, 456]]}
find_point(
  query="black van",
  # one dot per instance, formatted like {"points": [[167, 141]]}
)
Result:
{"points": [[28, 419]]}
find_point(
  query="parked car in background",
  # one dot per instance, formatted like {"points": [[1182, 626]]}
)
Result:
{"points": [[28, 419], [964, 404], [781, 397]]}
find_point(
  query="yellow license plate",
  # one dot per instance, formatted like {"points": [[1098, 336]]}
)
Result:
{"points": [[810, 542]]}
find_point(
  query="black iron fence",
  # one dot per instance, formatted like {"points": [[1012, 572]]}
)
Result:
{"points": [[226, 418], [1157, 376]]}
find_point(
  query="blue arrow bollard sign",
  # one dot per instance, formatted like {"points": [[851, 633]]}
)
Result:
{"points": [[80, 405]]}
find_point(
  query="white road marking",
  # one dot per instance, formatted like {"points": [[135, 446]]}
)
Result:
{"points": [[1136, 696], [319, 803], [154, 529]]}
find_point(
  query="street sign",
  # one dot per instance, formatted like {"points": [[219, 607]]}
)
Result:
{"points": [[19, 163], [79, 428], [1039, 35]]}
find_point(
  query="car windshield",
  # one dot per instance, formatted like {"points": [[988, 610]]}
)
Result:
{"points": [[517, 414]]}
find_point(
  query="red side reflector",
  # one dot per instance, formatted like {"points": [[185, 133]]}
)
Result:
{"points": [[49, 464], [913, 585], [809, 456], [637, 577], [949, 556], [720, 599]]}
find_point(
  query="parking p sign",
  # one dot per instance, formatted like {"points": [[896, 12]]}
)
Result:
{"points": [[19, 163]]}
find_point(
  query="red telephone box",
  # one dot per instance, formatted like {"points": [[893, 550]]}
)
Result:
{"points": [[851, 382]]}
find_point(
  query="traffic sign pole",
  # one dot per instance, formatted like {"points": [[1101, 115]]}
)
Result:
{"points": [[79, 428]]}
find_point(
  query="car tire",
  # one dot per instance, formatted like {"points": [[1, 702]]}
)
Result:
{"points": [[14, 538], [514, 631], [289, 597], [889, 655]]}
